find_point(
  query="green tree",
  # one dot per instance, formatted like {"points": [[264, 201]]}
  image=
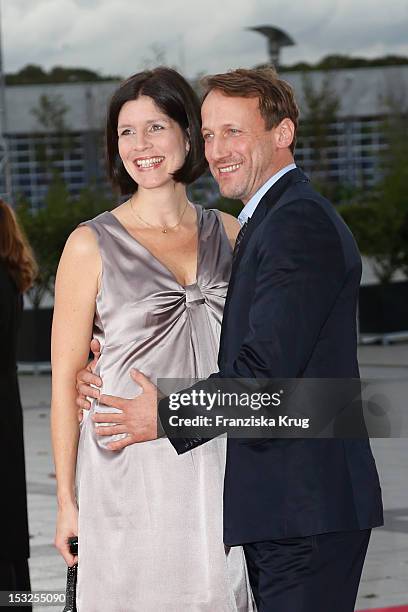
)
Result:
{"points": [[33, 75], [338, 62], [50, 112], [376, 225], [63, 74], [380, 221], [320, 113], [48, 228], [51, 117], [227, 205]]}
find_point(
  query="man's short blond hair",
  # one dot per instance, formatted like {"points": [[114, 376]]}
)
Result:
{"points": [[276, 97]]}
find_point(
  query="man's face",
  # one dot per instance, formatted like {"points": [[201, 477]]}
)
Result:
{"points": [[240, 151]]}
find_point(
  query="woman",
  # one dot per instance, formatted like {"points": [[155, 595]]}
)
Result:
{"points": [[148, 280], [17, 272]]}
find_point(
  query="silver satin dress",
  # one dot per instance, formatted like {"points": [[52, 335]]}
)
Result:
{"points": [[150, 521]]}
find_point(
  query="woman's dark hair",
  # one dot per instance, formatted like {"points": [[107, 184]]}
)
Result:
{"points": [[15, 252], [177, 99]]}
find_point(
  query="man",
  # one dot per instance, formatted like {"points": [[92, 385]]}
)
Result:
{"points": [[302, 509]]}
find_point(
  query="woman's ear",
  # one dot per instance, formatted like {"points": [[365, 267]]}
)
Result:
{"points": [[187, 140]]}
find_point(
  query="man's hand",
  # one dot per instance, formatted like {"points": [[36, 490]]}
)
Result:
{"points": [[138, 418], [85, 378]]}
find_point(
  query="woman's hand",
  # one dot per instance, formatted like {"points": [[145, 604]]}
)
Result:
{"points": [[67, 527], [85, 378]]}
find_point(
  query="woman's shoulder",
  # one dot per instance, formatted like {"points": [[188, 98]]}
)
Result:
{"points": [[90, 231], [81, 256], [104, 218], [82, 242], [229, 223]]}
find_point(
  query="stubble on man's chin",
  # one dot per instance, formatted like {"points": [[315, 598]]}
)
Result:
{"points": [[233, 194]]}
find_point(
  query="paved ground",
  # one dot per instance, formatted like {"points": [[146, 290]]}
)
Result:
{"points": [[385, 579]]}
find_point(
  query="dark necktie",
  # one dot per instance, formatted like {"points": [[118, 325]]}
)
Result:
{"points": [[240, 236]]}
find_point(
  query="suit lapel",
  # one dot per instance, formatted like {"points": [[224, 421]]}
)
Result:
{"points": [[267, 202], [271, 197]]}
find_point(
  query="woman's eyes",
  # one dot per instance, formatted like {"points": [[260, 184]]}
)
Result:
{"points": [[155, 127]]}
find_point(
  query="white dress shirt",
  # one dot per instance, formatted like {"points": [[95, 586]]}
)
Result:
{"points": [[249, 208]]}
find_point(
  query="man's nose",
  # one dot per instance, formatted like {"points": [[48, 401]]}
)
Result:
{"points": [[219, 149]]}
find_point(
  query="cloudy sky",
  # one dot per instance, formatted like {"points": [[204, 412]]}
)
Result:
{"points": [[122, 36]]}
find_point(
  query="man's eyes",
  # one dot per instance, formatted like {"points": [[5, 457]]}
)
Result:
{"points": [[231, 131]]}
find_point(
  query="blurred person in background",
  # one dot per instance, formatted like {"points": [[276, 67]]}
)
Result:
{"points": [[17, 273]]}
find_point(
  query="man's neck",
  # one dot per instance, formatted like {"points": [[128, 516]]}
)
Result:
{"points": [[273, 170], [251, 204]]}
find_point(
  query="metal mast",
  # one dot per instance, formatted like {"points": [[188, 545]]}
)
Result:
{"points": [[276, 39], [5, 170]]}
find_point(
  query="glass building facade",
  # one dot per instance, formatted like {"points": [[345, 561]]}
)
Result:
{"points": [[354, 138]]}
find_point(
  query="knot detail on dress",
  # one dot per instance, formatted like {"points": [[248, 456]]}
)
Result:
{"points": [[194, 295]]}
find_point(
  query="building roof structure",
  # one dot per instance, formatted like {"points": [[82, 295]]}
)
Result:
{"points": [[362, 92]]}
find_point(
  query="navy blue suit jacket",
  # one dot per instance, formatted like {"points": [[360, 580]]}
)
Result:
{"points": [[291, 312]]}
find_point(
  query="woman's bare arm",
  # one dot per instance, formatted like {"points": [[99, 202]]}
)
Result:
{"points": [[76, 288], [231, 226]]}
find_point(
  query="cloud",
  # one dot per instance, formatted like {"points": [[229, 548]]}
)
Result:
{"points": [[117, 37]]}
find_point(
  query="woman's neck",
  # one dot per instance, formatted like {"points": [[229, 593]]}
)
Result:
{"points": [[162, 206]]}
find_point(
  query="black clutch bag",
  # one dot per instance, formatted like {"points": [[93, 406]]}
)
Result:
{"points": [[70, 594]]}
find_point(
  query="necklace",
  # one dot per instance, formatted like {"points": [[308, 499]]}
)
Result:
{"points": [[164, 229]]}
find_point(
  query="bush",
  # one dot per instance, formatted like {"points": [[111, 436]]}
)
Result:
{"points": [[48, 228]]}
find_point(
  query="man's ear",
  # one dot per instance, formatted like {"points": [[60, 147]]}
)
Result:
{"points": [[285, 133]]}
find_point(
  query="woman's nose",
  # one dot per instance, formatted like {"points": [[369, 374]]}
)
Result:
{"points": [[140, 142]]}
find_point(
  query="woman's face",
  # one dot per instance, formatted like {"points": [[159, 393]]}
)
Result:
{"points": [[151, 145]]}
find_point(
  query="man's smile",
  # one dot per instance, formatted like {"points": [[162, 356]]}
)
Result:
{"points": [[229, 169]]}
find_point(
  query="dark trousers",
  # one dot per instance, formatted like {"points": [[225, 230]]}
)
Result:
{"points": [[14, 576], [318, 573]]}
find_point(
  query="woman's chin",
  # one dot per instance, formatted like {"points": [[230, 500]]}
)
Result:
{"points": [[153, 182]]}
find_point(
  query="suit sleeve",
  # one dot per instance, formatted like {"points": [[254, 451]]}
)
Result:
{"points": [[300, 272]]}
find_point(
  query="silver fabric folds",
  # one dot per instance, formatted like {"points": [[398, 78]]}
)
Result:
{"points": [[150, 521]]}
